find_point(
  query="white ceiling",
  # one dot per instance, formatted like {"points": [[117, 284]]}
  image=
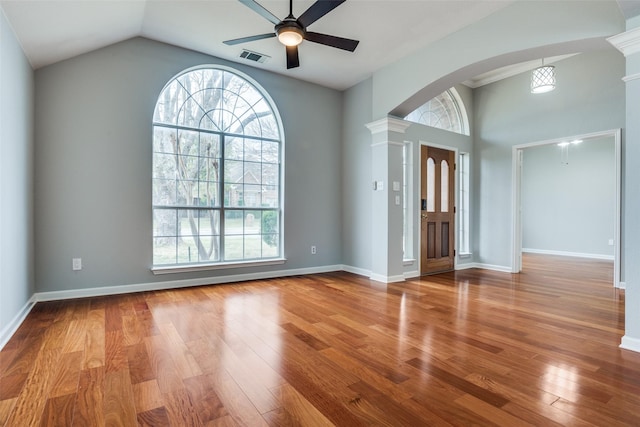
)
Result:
{"points": [[54, 30]]}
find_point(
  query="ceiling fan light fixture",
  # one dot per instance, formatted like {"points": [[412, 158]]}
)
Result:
{"points": [[290, 34]]}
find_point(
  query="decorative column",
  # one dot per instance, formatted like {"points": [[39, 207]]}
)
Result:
{"points": [[386, 209], [629, 44]]}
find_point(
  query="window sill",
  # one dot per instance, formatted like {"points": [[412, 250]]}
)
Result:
{"points": [[465, 255], [406, 262], [186, 268]]}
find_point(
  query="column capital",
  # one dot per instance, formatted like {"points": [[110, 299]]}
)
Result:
{"points": [[388, 124], [628, 42]]}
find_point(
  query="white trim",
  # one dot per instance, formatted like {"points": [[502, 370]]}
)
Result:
{"points": [[441, 146], [386, 143], [568, 254], [516, 214], [466, 266], [388, 124], [219, 266], [466, 130], [408, 200], [356, 270], [629, 343], [628, 42], [386, 279], [11, 328], [627, 79], [411, 274], [176, 284], [500, 268], [510, 71], [622, 285]]}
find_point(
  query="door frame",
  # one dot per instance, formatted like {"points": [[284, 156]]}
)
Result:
{"points": [[456, 196], [516, 199]]}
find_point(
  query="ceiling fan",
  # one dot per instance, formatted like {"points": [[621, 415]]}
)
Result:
{"points": [[291, 31]]}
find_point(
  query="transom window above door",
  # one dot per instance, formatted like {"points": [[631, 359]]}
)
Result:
{"points": [[445, 111]]}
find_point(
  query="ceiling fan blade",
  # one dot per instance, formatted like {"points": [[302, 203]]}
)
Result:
{"points": [[260, 10], [318, 10], [333, 41], [249, 39], [292, 57]]}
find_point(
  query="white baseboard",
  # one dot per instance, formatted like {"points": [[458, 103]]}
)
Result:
{"points": [[629, 343], [8, 331], [356, 270], [175, 284], [571, 254], [500, 268], [386, 279], [411, 274], [466, 266], [380, 278]]}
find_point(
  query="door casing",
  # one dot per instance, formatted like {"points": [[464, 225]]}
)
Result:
{"points": [[516, 198]]}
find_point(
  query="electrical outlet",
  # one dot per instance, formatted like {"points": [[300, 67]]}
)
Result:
{"points": [[76, 264], [313, 250]]}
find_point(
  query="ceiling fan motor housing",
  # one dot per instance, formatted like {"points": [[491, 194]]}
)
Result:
{"points": [[290, 25]]}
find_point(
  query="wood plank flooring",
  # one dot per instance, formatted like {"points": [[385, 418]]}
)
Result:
{"points": [[466, 348]]}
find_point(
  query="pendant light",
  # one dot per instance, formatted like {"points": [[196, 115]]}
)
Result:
{"points": [[543, 79]]}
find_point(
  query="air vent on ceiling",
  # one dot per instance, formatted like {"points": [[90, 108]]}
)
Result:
{"points": [[254, 56]]}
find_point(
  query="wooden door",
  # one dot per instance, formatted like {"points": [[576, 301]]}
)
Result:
{"points": [[437, 211]]}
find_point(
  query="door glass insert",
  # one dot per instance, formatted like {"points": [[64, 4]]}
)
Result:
{"points": [[431, 185], [444, 186]]}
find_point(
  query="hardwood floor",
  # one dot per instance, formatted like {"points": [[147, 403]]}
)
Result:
{"points": [[467, 348]]}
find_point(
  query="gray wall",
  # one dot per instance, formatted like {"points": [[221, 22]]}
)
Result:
{"points": [[589, 98], [357, 181], [16, 180], [93, 166], [569, 207]]}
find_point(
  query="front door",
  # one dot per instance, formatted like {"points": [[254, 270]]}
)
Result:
{"points": [[437, 210]]}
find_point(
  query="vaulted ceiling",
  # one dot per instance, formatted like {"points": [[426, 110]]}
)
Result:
{"points": [[53, 30]]}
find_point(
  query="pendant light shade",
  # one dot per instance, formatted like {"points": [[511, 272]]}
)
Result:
{"points": [[543, 79]]}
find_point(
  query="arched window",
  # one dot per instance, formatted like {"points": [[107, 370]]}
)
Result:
{"points": [[217, 150], [445, 111]]}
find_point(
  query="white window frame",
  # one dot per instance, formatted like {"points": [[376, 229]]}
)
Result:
{"points": [[178, 267], [464, 211], [407, 203]]}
